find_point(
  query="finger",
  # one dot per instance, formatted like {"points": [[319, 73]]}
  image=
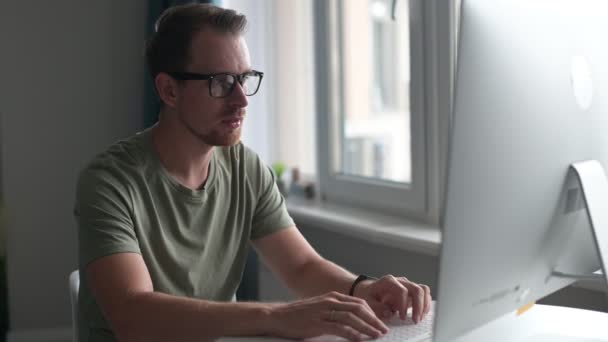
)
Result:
{"points": [[402, 301], [399, 303], [403, 314], [382, 310], [339, 298], [396, 295], [417, 296], [350, 299], [363, 313], [340, 330], [354, 321], [428, 299], [395, 303]]}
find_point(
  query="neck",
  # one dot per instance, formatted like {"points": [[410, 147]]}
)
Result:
{"points": [[183, 155]]}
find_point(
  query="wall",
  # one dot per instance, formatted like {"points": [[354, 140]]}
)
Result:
{"points": [[71, 84]]}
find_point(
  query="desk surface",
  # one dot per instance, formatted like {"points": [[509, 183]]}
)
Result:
{"points": [[545, 323], [542, 323]]}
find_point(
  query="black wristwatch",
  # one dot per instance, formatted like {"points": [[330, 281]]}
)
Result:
{"points": [[359, 279]]}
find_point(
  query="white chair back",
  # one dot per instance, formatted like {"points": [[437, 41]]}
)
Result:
{"points": [[74, 287]]}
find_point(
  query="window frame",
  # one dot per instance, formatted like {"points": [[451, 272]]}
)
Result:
{"points": [[421, 198]]}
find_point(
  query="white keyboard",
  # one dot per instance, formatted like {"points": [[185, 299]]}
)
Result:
{"points": [[399, 331], [408, 331]]}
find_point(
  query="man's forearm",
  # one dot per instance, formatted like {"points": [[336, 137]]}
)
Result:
{"points": [[155, 316], [318, 277]]}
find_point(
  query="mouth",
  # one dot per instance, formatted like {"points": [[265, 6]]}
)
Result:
{"points": [[233, 122]]}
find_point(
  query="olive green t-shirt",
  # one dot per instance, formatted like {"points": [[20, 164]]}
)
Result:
{"points": [[194, 242]]}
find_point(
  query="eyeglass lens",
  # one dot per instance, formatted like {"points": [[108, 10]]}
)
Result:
{"points": [[222, 85]]}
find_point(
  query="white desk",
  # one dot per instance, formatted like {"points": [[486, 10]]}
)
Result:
{"points": [[542, 323]]}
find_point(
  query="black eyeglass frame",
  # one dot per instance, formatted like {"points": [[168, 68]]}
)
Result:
{"points": [[189, 76]]}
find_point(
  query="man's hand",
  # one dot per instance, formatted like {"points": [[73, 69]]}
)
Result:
{"points": [[389, 294], [332, 314]]}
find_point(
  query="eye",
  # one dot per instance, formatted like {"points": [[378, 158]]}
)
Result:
{"points": [[221, 85], [224, 81]]}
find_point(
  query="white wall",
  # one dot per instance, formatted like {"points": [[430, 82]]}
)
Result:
{"points": [[71, 76]]}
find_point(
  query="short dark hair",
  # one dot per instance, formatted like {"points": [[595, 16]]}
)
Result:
{"points": [[168, 49]]}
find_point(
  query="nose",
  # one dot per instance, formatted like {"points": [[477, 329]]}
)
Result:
{"points": [[238, 97]]}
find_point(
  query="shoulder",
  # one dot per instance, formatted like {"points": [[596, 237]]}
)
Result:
{"points": [[115, 166]]}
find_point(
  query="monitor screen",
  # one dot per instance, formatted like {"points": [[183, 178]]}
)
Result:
{"points": [[531, 99]]}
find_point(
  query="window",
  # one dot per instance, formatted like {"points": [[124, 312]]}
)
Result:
{"points": [[373, 90], [371, 82], [375, 112]]}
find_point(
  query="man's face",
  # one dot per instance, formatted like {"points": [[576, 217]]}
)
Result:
{"points": [[215, 121]]}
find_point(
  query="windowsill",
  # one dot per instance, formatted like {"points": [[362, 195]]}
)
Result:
{"points": [[378, 228], [368, 225]]}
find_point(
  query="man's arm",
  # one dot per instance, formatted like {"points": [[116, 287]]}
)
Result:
{"points": [[303, 270], [123, 289], [299, 266], [122, 286]]}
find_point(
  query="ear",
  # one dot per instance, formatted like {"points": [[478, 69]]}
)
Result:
{"points": [[166, 87]]}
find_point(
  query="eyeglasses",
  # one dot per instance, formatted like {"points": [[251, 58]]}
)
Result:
{"points": [[222, 85]]}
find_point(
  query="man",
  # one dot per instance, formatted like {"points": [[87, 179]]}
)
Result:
{"points": [[165, 217]]}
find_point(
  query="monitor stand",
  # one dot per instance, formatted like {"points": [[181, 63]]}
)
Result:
{"points": [[594, 184]]}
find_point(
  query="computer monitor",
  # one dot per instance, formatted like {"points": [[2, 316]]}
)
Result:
{"points": [[531, 100]]}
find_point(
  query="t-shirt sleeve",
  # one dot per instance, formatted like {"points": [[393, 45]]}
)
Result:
{"points": [[103, 215], [270, 213]]}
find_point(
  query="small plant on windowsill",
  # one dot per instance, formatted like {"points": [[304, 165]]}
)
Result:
{"points": [[279, 170]]}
